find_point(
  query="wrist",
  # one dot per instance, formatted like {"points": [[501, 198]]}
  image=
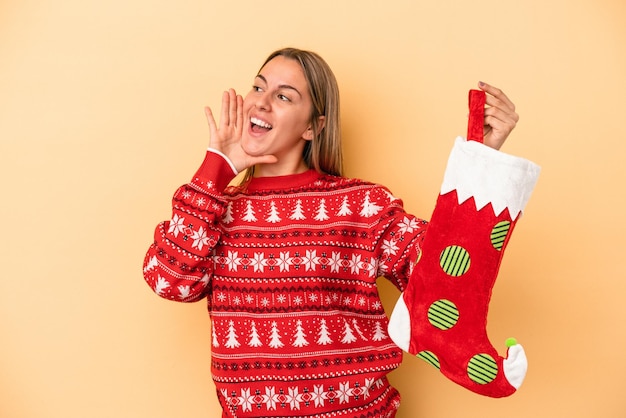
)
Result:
{"points": [[226, 159]]}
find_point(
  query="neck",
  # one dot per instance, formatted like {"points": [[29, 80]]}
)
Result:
{"points": [[278, 169]]}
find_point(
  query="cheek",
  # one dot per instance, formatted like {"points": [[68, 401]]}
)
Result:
{"points": [[299, 119], [247, 104]]}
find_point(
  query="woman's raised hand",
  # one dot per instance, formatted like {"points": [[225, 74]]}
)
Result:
{"points": [[226, 137]]}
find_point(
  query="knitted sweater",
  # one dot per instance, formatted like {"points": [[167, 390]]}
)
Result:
{"points": [[288, 267]]}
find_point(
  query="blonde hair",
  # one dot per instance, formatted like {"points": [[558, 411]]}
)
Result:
{"points": [[323, 153]]}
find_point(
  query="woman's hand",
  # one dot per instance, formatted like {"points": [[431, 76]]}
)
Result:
{"points": [[226, 138], [500, 116]]}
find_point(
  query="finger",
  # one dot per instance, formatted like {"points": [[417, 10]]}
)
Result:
{"points": [[502, 126], [505, 115], [496, 97], [496, 130], [212, 126], [232, 107], [224, 112], [239, 122], [210, 119]]}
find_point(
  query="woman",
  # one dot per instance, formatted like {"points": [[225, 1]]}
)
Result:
{"points": [[288, 259]]}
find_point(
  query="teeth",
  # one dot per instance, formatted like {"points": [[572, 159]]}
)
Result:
{"points": [[260, 123]]}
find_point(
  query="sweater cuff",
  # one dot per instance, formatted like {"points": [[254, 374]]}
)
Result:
{"points": [[489, 176], [215, 172]]}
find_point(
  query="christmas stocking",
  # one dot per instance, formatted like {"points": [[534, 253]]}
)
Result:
{"points": [[442, 315]]}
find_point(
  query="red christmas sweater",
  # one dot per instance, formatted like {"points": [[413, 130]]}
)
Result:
{"points": [[288, 268]]}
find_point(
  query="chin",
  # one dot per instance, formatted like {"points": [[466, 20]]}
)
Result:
{"points": [[252, 150]]}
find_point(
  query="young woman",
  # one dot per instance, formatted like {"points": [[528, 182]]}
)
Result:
{"points": [[288, 259]]}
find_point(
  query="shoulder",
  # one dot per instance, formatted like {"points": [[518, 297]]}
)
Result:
{"points": [[369, 194]]}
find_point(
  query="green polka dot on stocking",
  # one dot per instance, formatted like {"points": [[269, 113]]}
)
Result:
{"points": [[429, 357], [443, 314], [454, 260], [499, 233], [482, 369]]}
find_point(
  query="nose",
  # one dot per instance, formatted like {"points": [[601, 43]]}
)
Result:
{"points": [[262, 101]]}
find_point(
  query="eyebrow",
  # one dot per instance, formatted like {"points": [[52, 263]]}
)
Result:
{"points": [[281, 86]]}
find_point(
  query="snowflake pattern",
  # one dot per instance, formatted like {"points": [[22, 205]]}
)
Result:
{"points": [[407, 226], [390, 247], [295, 397], [177, 225], [285, 260], [200, 239]]}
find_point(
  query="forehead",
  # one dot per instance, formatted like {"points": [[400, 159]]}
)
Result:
{"points": [[284, 71]]}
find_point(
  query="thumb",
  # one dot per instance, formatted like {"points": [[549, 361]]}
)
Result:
{"points": [[250, 161], [209, 117], [264, 159]]}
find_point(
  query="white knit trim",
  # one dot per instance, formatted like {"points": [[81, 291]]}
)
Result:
{"points": [[230, 163], [399, 327], [515, 366], [489, 176]]}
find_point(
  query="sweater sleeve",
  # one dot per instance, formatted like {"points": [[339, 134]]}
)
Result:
{"points": [[178, 265], [398, 237]]}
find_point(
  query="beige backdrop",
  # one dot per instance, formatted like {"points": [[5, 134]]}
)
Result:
{"points": [[101, 119]]}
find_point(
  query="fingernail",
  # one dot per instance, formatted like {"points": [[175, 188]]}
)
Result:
{"points": [[481, 84]]}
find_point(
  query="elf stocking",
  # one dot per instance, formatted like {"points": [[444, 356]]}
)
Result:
{"points": [[442, 315]]}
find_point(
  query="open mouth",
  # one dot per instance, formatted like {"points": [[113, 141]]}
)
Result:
{"points": [[259, 126]]}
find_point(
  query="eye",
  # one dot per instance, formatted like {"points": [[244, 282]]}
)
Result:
{"points": [[256, 88], [284, 98]]}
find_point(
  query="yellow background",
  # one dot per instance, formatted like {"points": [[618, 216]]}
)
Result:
{"points": [[101, 119]]}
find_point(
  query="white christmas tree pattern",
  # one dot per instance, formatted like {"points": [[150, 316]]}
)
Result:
{"points": [[152, 263], [344, 210], [161, 285], [275, 341], [349, 332], [184, 291], [379, 333], [215, 342], [228, 214], [322, 213], [273, 215], [348, 336], [232, 336], [369, 209], [254, 336], [249, 215], [324, 335], [300, 336], [324, 206], [297, 214]]}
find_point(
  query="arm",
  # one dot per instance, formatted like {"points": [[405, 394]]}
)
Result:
{"points": [[399, 236], [178, 264]]}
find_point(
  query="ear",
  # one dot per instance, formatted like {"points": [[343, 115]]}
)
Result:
{"points": [[308, 134]]}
